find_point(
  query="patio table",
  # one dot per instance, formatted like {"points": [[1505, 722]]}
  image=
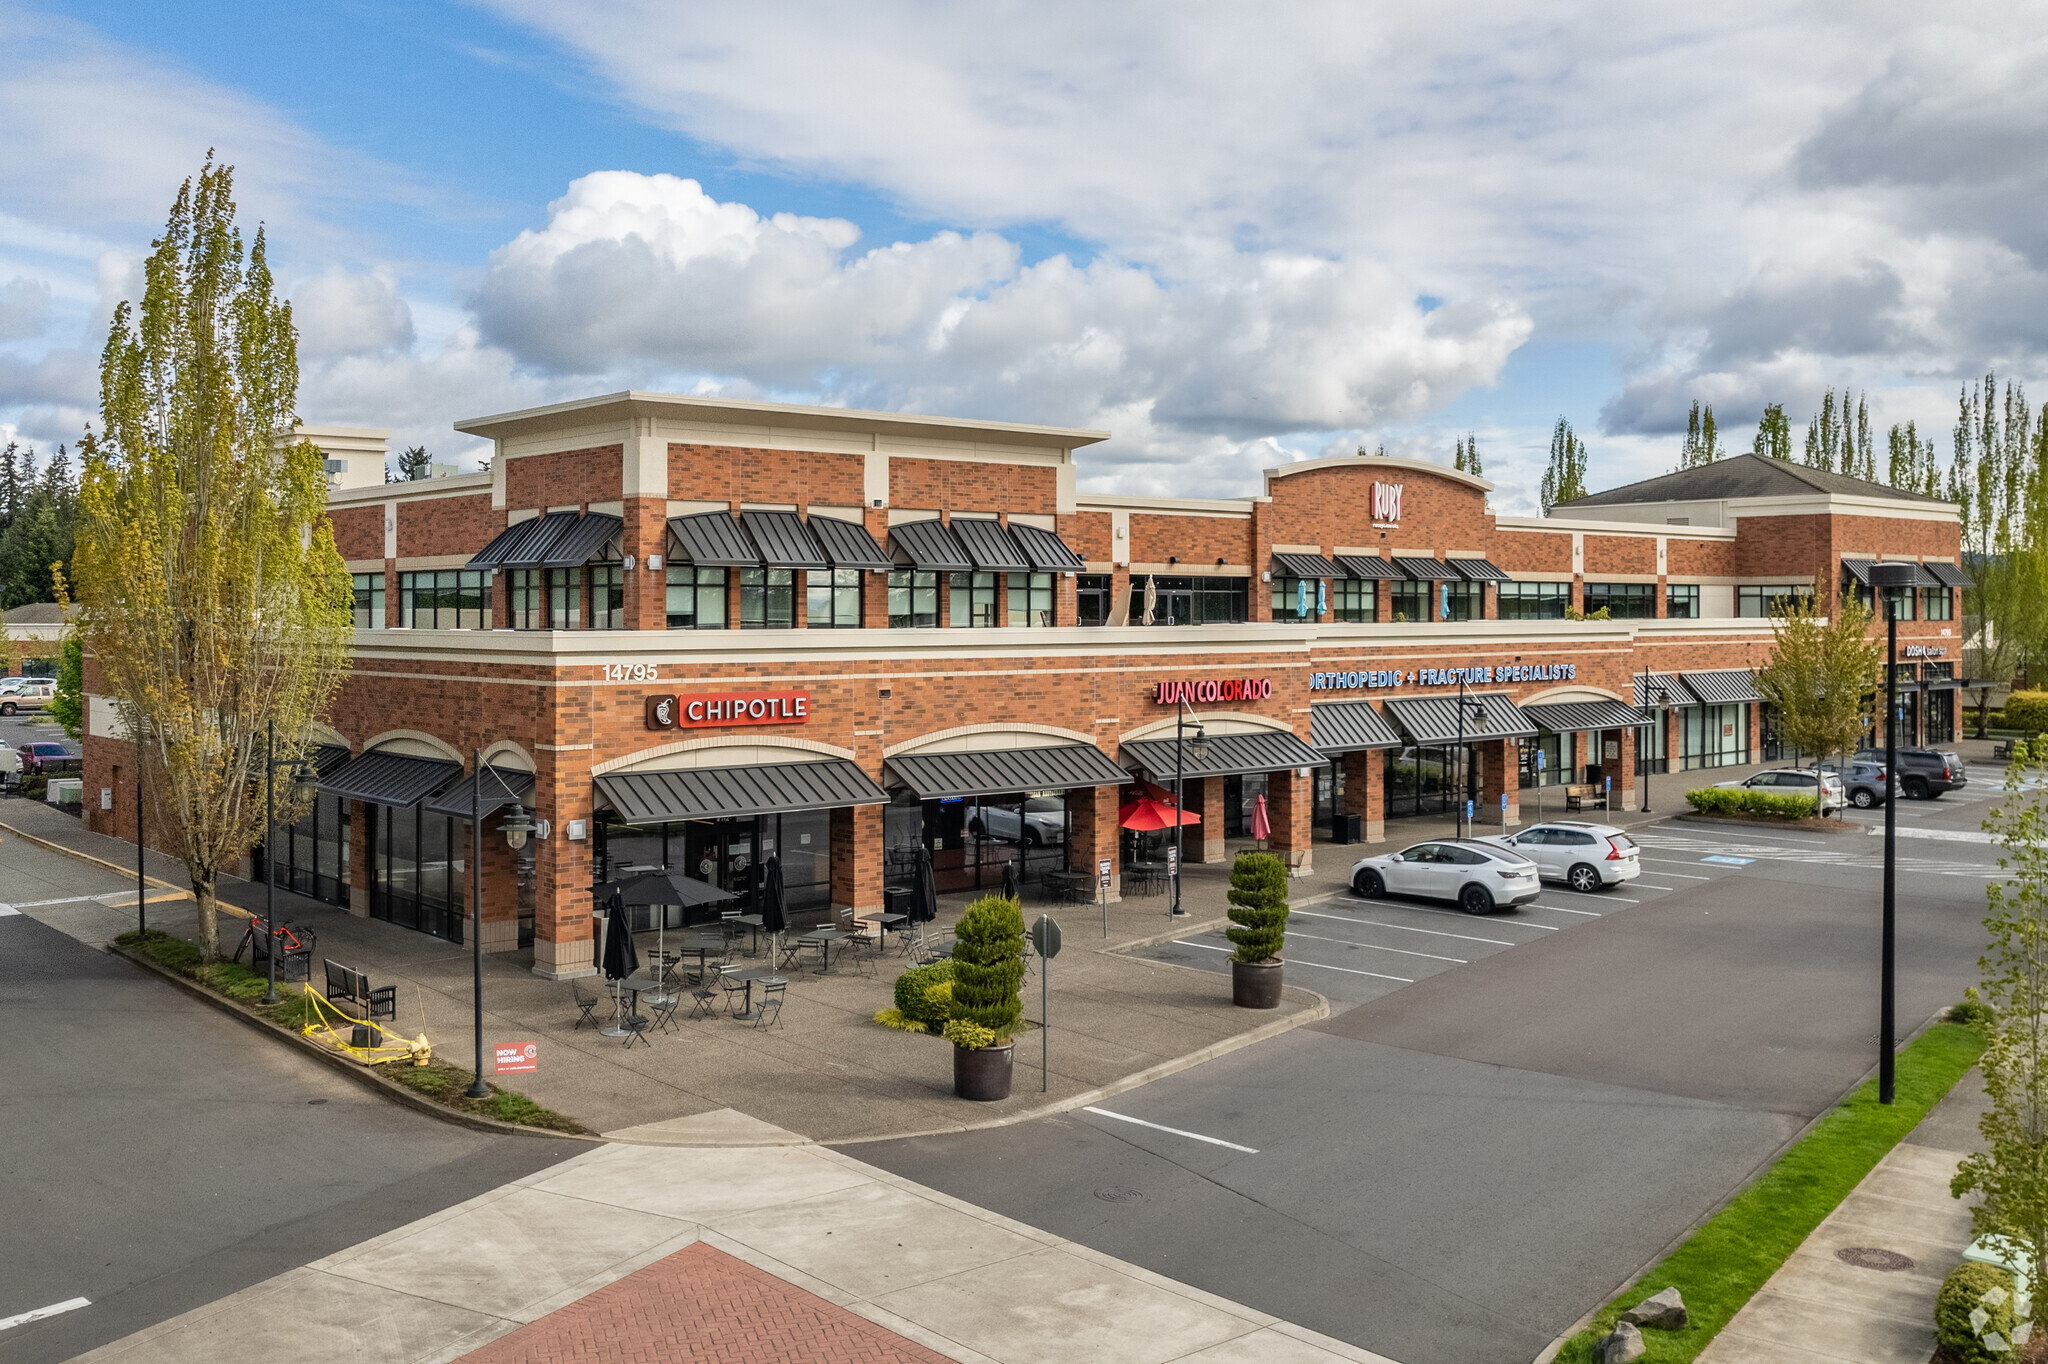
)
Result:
{"points": [[822, 939], [748, 975]]}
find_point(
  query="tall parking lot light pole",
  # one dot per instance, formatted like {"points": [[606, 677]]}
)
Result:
{"points": [[1882, 578]]}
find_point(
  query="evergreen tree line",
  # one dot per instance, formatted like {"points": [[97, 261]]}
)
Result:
{"points": [[38, 519]]}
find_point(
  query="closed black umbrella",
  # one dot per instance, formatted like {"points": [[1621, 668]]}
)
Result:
{"points": [[1009, 880], [924, 905], [774, 911], [621, 957]]}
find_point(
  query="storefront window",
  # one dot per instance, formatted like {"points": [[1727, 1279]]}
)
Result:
{"points": [[1940, 719], [565, 598], [1546, 760], [1715, 736], [370, 601], [524, 587], [1651, 752], [1181, 600], [1622, 601], [413, 881], [1761, 602], [1030, 600], [731, 854], [450, 599], [696, 598], [971, 601], [1412, 601], [1425, 781], [913, 599], [1463, 601], [1939, 604], [1221, 601], [1294, 599], [1900, 600], [767, 599], [972, 838], [1533, 601], [310, 857], [832, 598], [1092, 598], [1354, 600], [1682, 602], [608, 597]]}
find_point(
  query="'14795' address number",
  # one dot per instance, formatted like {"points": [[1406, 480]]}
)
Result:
{"points": [[632, 672]]}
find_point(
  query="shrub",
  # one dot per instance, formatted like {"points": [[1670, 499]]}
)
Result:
{"points": [[988, 965], [895, 1018], [1716, 800], [972, 1036], [2027, 710], [913, 995], [1972, 1012], [1258, 906], [1963, 1292]]}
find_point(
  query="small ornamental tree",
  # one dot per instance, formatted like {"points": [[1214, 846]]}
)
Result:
{"points": [[67, 702], [1258, 906], [988, 966], [1821, 671]]}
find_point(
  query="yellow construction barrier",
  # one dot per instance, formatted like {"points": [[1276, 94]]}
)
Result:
{"points": [[328, 1022]]}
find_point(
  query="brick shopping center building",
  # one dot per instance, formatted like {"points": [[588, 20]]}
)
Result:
{"points": [[696, 634]]}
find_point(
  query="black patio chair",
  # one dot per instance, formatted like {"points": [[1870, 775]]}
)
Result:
{"points": [[587, 1003], [772, 991]]}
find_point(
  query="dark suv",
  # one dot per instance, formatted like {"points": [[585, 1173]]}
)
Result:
{"points": [[1863, 781], [1923, 773]]}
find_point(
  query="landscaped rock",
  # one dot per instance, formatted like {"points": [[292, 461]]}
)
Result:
{"points": [[1663, 1312], [1625, 1346]]}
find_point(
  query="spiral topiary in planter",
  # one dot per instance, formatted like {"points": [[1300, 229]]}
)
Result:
{"points": [[988, 968], [1258, 909]]}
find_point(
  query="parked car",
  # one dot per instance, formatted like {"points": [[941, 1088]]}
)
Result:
{"points": [[43, 756], [33, 693], [1793, 781], [1044, 821], [1924, 773], [1478, 876], [1585, 857], [1864, 781], [10, 761]]}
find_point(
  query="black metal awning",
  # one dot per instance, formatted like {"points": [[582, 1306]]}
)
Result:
{"points": [[1565, 717], [1723, 688], [493, 554], [498, 787], [1229, 755], [1349, 727], [1432, 721], [584, 541], [326, 757], [737, 792], [1859, 569], [523, 545], [1677, 694], [987, 546], [1480, 571], [992, 772], [1306, 566], [930, 546], [847, 544], [713, 540], [1044, 548], [389, 778], [1948, 575], [782, 541], [1367, 566], [1424, 570]]}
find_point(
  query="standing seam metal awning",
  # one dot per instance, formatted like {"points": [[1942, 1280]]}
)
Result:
{"points": [[1479, 571], [737, 792], [1671, 683], [522, 546], [1859, 569], [1432, 721], [930, 547], [327, 757], [1367, 566], [389, 778], [581, 542], [714, 540], [498, 787], [493, 554], [782, 541], [995, 772], [1306, 566], [1424, 570], [1230, 755], [1565, 717], [1044, 548], [1722, 688], [987, 545], [1948, 575], [1348, 727], [847, 543]]}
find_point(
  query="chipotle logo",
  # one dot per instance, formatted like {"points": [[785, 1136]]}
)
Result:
{"points": [[729, 708]]}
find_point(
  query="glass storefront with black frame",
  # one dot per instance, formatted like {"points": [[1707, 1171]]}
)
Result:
{"points": [[972, 838], [416, 869], [310, 856], [731, 854]]}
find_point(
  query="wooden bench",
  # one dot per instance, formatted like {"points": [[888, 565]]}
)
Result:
{"points": [[348, 984], [1578, 797]]}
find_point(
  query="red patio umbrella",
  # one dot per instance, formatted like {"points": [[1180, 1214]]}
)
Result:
{"points": [[1147, 814], [1262, 823]]}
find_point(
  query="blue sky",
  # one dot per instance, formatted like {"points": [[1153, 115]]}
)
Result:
{"points": [[1229, 239]]}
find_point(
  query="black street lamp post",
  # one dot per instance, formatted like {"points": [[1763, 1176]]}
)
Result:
{"points": [[516, 826], [1655, 706], [1478, 710], [1199, 745], [1884, 576]]}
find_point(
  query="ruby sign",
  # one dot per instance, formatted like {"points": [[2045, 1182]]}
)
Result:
{"points": [[516, 1056], [729, 708]]}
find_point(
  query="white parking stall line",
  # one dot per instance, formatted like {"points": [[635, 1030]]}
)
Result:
{"points": [[1405, 928], [1560, 909], [1672, 861], [1619, 899], [1645, 885], [1425, 909], [1296, 961], [6, 910], [54, 1309], [1375, 947], [1944, 835], [1178, 1132]]}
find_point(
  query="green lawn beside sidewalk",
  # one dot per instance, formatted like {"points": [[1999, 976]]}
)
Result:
{"points": [[1721, 1265]]}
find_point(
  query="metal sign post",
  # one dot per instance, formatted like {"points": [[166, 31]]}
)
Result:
{"points": [[1173, 875], [1503, 813], [1102, 875], [1539, 786], [1045, 936]]}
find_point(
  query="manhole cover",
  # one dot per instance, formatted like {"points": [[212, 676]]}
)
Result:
{"points": [[1117, 1193], [1870, 1257]]}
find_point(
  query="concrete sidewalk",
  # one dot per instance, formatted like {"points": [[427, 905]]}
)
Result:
{"points": [[828, 1240]]}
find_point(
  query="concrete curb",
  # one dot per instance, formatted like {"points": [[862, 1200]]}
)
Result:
{"points": [[102, 862], [1191, 927], [335, 1061]]}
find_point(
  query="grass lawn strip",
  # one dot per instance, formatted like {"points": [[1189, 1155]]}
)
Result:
{"points": [[1722, 1265], [441, 1083]]}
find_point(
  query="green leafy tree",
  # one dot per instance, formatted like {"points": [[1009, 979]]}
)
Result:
{"points": [[1911, 465], [211, 597], [1564, 480], [1773, 434], [988, 966], [414, 464], [1702, 437], [1258, 906], [1822, 673], [1838, 442], [1467, 459], [67, 702]]}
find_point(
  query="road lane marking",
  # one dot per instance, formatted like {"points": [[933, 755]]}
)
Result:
{"points": [[1347, 970], [1375, 947], [1433, 932], [1161, 1127], [54, 1309], [1947, 835]]}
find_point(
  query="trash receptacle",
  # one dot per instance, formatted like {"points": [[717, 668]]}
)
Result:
{"points": [[1345, 829]]}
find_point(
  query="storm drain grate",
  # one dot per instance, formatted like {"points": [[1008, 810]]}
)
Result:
{"points": [[1870, 1257], [1117, 1193]]}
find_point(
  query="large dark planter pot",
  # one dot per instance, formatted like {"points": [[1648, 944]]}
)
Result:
{"points": [[983, 1072], [1255, 984]]}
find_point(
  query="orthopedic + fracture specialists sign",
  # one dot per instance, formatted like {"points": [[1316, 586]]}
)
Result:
{"points": [[1500, 674]]}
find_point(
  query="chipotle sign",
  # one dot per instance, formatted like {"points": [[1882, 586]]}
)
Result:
{"points": [[729, 708]]}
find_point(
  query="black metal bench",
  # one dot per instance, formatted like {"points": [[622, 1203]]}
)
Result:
{"points": [[294, 947], [347, 983]]}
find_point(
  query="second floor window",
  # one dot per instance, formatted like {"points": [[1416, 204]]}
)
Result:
{"points": [[565, 598], [1901, 601], [1412, 601], [446, 599], [832, 598], [1532, 601], [1030, 600], [696, 598], [1624, 601], [1762, 601], [1294, 599], [370, 601], [526, 588], [913, 599], [1092, 597], [972, 600], [1463, 600], [1940, 604], [1354, 600], [767, 599], [608, 597], [1682, 601]]}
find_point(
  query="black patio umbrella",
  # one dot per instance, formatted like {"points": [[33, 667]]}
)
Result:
{"points": [[661, 888], [1009, 880], [621, 957], [924, 903], [774, 909]]}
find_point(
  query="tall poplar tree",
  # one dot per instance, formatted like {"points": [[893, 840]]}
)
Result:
{"points": [[213, 602], [1773, 433], [1565, 478], [1467, 458], [1702, 438]]}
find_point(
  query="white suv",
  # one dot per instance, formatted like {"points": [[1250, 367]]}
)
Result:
{"points": [[1794, 781], [1585, 857]]}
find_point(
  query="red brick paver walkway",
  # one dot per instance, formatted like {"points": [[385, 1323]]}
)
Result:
{"points": [[702, 1304]]}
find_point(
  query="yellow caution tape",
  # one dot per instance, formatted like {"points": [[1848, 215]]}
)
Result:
{"points": [[396, 1047]]}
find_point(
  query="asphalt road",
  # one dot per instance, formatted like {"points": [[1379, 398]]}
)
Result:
{"points": [[155, 1155], [1456, 1166]]}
